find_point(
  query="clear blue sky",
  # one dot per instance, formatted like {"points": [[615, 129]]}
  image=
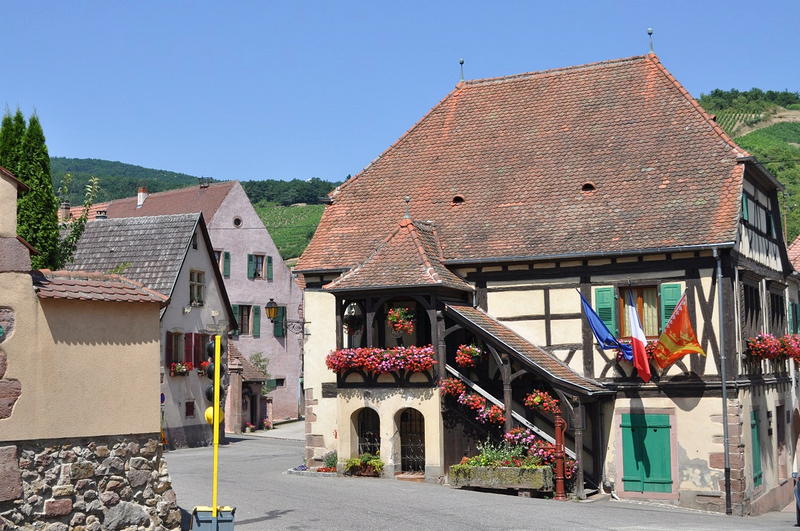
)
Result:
{"points": [[318, 89]]}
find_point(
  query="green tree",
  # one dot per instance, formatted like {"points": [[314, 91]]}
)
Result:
{"points": [[73, 229], [37, 209], [12, 132]]}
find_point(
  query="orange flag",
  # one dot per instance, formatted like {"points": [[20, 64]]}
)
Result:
{"points": [[678, 338]]}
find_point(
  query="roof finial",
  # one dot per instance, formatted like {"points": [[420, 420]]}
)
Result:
{"points": [[650, 34], [461, 62], [407, 199]]}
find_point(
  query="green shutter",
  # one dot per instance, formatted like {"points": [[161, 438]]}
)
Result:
{"points": [[669, 297], [795, 317], [256, 321], [646, 456], [235, 308], [606, 306], [755, 441], [278, 323], [251, 266], [269, 268], [745, 209], [226, 264]]}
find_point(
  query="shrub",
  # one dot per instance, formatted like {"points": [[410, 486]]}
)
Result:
{"points": [[330, 459]]}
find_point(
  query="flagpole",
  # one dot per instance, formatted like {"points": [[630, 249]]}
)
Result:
{"points": [[724, 377]]}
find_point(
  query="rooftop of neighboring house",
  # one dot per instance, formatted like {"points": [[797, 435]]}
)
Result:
{"points": [[205, 199], [90, 286], [250, 373], [794, 253], [148, 249], [600, 158]]}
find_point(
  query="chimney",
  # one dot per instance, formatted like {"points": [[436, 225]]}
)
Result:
{"points": [[63, 212], [101, 214], [141, 195]]}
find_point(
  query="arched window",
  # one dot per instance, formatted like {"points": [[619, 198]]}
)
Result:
{"points": [[368, 431]]}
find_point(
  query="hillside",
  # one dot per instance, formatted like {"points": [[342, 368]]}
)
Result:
{"points": [[117, 179], [291, 227], [767, 124]]}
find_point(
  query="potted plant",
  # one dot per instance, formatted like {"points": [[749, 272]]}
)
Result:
{"points": [[180, 368], [401, 321], [267, 424], [467, 355], [203, 366], [366, 464], [507, 465], [249, 427], [329, 461]]}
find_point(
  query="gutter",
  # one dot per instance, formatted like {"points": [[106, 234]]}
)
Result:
{"points": [[600, 254], [726, 454]]}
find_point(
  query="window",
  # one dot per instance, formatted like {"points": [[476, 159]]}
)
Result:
{"points": [[173, 347], [189, 409], [279, 323], [197, 287], [758, 216], [777, 313], [654, 305], [751, 310], [237, 222], [280, 382], [223, 259], [259, 266], [194, 241], [249, 318], [645, 298], [794, 315]]}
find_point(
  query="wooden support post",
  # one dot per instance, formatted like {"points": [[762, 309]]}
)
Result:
{"points": [[579, 426], [339, 325], [441, 346], [370, 323], [505, 373], [561, 426]]}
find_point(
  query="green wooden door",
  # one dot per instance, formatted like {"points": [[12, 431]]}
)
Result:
{"points": [[755, 442], [647, 465]]}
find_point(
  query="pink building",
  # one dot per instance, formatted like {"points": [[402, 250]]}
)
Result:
{"points": [[254, 274]]}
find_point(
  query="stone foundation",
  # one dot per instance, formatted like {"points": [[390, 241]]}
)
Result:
{"points": [[89, 484]]}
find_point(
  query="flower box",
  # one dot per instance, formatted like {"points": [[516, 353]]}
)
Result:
{"points": [[181, 368], [538, 479]]}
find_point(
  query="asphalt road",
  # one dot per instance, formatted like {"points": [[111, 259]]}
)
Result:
{"points": [[253, 479]]}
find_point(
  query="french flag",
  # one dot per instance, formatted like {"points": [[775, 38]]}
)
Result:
{"points": [[638, 341]]}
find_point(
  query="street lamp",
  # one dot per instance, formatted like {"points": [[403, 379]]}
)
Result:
{"points": [[272, 310]]}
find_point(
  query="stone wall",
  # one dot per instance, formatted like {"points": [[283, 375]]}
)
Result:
{"points": [[87, 484]]}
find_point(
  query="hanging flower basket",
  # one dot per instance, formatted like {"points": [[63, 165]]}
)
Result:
{"points": [[467, 355], [180, 368], [401, 320], [353, 324], [543, 401]]}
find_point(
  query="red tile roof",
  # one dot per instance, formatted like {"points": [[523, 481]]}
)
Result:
{"points": [[76, 211], [180, 201], [794, 253], [542, 361], [409, 257], [250, 373], [518, 151], [88, 286]]}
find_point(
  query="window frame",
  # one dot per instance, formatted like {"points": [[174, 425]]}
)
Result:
{"points": [[242, 330], [622, 304], [197, 285], [259, 272]]}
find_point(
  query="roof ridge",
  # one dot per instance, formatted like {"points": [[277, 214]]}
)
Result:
{"points": [[653, 58], [150, 218], [219, 184], [556, 70], [426, 262]]}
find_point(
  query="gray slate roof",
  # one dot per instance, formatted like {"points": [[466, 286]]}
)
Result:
{"points": [[153, 247]]}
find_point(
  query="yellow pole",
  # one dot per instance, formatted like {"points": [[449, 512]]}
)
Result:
{"points": [[216, 425]]}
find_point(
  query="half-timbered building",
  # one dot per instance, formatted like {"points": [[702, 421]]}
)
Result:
{"points": [[490, 215]]}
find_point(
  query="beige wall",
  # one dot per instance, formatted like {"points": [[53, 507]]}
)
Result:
{"points": [[86, 368], [8, 204], [390, 403], [320, 315]]}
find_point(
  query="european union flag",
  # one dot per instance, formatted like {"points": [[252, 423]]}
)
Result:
{"points": [[604, 337]]}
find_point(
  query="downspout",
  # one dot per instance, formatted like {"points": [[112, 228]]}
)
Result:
{"points": [[723, 362]]}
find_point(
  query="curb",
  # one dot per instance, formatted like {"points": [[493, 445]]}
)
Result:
{"points": [[310, 474]]}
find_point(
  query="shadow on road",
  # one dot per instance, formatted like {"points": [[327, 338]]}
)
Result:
{"points": [[186, 518]]}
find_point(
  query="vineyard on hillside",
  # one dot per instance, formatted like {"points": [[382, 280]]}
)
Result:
{"points": [[291, 227], [733, 121]]}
